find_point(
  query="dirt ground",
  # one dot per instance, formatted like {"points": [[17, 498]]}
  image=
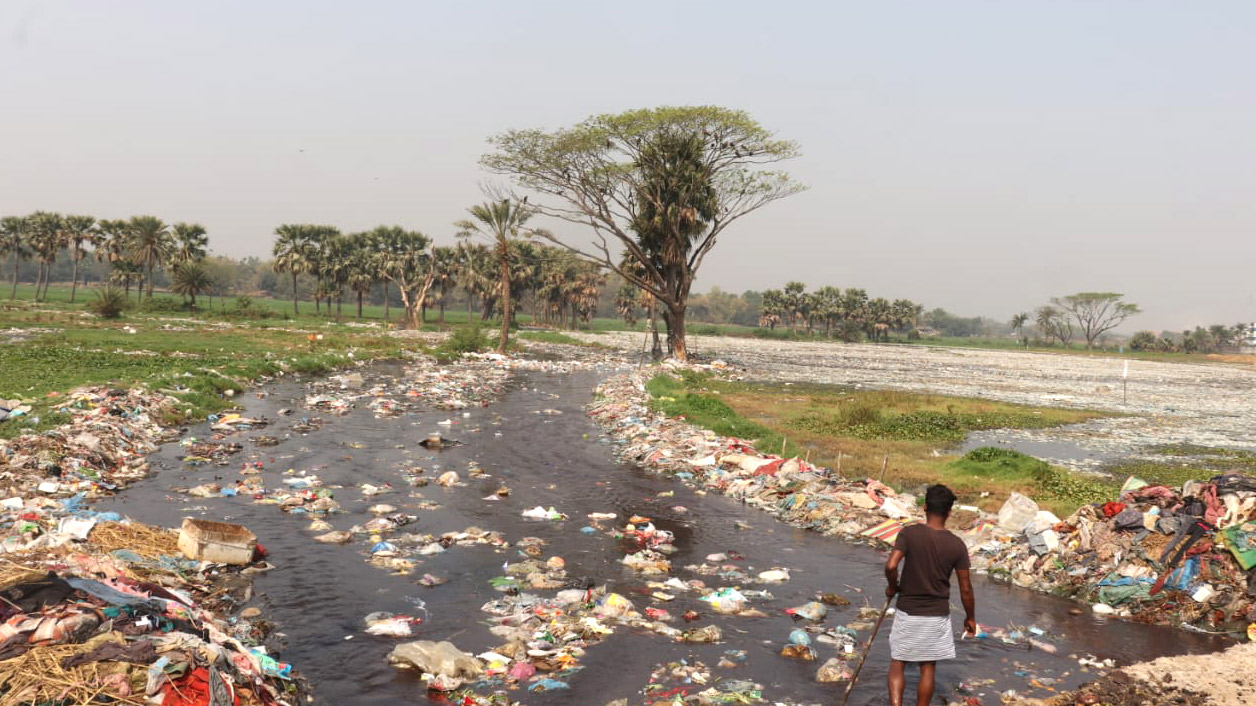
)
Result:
{"points": [[1221, 679]]}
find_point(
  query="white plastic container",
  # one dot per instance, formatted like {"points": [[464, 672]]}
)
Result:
{"points": [[216, 542]]}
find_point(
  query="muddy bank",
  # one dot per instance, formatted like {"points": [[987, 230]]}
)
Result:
{"points": [[1221, 679], [1168, 403]]}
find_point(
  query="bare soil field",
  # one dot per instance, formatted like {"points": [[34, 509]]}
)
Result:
{"points": [[1164, 403]]}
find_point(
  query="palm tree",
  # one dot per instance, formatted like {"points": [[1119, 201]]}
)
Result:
{"points": [[191, 242], [335, 268], [47, 236], [13, 241], [150, 245], [361, 274], [80, 231], [402, 257], [447, 268], [115, 238], [190, 278], [498, 221], [475, 273], [290, 251], [1018, 325]]}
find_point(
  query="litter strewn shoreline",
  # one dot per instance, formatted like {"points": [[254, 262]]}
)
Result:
{"points": [[1110, 556]]}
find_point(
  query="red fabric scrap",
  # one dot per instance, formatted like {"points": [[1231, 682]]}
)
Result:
{"points": [[1113, 509], [193, 690]]}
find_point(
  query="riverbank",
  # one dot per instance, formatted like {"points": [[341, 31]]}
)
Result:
{"points": [[1219, 679], [1158, 405], [97, 606], [1110, 555]]}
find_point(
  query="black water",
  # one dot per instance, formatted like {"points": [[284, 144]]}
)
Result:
{"points": [[318, 594]]}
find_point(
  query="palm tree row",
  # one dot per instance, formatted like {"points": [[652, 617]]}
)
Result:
{"points": [[133, 248], [498, 274], [847, 313]]}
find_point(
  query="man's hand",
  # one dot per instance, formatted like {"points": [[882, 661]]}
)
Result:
{"points": [[891, 591], [970, 627]]}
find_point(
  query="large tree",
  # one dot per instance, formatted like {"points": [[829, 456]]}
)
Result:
{"points": [[1096, 312], [499, 221], [661, 185]]}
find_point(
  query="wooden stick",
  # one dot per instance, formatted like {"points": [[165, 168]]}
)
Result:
{"points": [[884, 463], [875, 630], [839, 462]]}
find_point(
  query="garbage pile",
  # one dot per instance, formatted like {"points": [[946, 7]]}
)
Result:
{"points": [[95, 609], [1182, 556], [101, 449]]}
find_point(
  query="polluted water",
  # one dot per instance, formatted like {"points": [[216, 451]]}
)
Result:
{"points": [[675, 592]]}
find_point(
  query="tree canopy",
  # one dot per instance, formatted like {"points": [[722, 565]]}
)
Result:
{"points": [[656, 186]]}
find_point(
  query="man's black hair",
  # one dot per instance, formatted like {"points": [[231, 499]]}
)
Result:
{"points": [[938, 500]]}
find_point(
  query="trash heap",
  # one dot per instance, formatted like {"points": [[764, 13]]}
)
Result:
{"points": [[797, 492], [101, 449], [1181, 556], [94, 608]]}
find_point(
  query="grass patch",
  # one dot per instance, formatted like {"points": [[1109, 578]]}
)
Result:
{"points": [[1185, 462], [194, 363], [864, 427]]}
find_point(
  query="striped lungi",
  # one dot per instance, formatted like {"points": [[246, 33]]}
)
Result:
{"points": [[921, 638]]}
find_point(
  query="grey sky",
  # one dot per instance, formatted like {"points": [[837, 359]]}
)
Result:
{"points": [[979, 156]]}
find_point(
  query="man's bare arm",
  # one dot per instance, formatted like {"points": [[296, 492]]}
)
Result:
{"points": [[970, 602], [891, 572]]}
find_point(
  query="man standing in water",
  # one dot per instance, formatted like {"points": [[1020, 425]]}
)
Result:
{"points": [[922, 623]]}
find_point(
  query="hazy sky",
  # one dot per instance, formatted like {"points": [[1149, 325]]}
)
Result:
{"points": [[978, 156]]}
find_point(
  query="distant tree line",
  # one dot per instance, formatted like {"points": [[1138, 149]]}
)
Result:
{"points": [[1217, 338], [847, 314]]}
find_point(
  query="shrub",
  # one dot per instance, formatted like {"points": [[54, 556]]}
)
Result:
{"points": [[109, 303], [464, 338]]}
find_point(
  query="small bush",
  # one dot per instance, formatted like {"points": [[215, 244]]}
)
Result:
{"points": [[163, 305], [861, 415], [109, 303], [464, 338]]}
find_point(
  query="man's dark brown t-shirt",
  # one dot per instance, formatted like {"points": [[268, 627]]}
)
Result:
{"points": [[930, 555]]}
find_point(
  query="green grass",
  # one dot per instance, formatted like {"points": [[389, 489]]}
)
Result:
{"points": [[195, 364], [910, 433], [1185, 462]]}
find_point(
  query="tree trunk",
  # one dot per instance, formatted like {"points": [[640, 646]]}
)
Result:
{"points": [[17, 262], [385, 302], [674, 317], [295, 310], [441, 317], [656, 350], [150, 281], [193, 301], [359, 305], [39, 281], [74, 280], [423, 312], [504, 256], [339, 296]]}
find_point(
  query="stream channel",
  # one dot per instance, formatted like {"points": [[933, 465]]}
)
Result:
{"points": [[318, 593]]}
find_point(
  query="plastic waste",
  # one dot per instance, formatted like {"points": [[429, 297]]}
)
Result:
{"points": [[437, 658]]}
